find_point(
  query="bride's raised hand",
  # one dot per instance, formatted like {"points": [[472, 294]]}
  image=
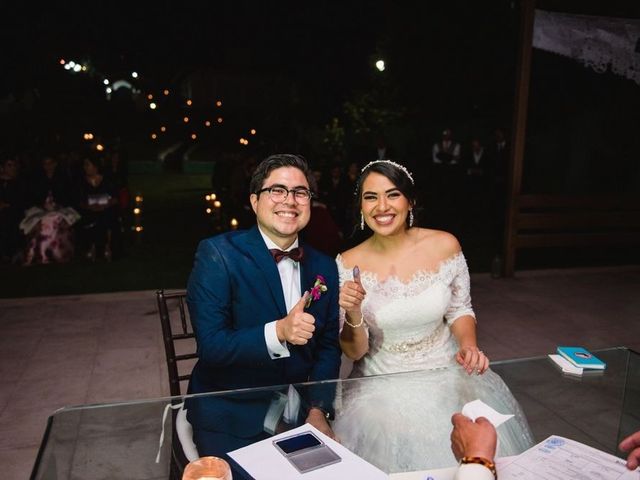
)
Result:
{"points": [[352, 294], [473, 360]]}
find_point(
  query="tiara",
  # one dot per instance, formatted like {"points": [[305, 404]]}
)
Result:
{"points": [[390, 162]]}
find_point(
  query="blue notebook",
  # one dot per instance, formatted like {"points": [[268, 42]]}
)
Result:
{"points": [[581, 357]]}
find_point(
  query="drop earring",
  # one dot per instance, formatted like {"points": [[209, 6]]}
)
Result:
{"points": [[410, 218], [361, 220]]}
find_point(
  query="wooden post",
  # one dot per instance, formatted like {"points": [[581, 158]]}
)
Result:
{"points": [[514, 178]]}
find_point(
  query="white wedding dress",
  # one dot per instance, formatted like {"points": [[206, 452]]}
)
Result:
{"points": [[403, 422]]}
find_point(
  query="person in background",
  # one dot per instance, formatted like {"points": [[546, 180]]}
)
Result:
{"points": [[446, 151], [47, 223], [322, 231], [12, 204], [97, 201]]}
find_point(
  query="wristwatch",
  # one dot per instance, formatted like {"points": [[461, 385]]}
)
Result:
{"points": [[481, 461]]}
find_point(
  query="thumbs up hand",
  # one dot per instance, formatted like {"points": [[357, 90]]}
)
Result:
{"points": [[298, 326], [351, 296]]}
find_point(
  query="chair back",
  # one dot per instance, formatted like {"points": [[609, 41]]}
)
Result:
{"points": [[178, 336]]}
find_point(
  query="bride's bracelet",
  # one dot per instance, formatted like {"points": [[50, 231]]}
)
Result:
{"points": [[354, 325]]}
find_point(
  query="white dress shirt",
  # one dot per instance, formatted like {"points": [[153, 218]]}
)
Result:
{"points": [[290, 279]]}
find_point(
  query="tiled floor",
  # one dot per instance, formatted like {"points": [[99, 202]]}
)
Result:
{"points": [[61, 351]]}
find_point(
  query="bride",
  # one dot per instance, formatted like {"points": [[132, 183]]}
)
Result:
{"points": [[405, 307]]}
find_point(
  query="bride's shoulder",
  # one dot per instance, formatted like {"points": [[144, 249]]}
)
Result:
{"points": [[443, 244], [351, 257]]}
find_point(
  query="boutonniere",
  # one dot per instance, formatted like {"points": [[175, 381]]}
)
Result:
{"points": [[319, 287]]}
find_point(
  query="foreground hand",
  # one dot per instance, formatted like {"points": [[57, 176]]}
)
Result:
{"points": [[351, 296], [631, 444], [472, 360], [473, 439], [318, 420], [298, 326]]}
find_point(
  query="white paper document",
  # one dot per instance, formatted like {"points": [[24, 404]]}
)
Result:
{"points": [[478, 408], [263, 461], [561, 458]]}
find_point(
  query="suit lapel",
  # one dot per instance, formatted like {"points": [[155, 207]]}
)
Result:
{"points": [[306, 271], [267, 267]]}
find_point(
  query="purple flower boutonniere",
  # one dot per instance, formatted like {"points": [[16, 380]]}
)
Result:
{"points": [[319, 287]]}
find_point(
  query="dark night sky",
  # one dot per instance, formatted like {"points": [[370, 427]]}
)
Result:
{"points": [[450, 62]]}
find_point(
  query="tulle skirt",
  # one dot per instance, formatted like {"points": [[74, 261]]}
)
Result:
{"points": [[402, 422]]}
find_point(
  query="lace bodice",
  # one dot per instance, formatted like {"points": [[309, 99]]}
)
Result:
{"points": [[408, 322]]}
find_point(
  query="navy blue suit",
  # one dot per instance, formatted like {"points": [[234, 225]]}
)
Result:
{"points": [[233, 291]]}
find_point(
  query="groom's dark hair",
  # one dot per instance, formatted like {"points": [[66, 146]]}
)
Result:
{"points": [[264, 169]]}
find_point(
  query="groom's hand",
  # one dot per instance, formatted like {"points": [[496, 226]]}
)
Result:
{"points": [[317, 419], [298, 326]]}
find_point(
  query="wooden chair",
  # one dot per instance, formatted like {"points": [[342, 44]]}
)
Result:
{"points": [[178, 336]]}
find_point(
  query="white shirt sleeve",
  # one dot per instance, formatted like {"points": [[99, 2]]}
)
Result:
{"points": [[473, 471], [456, 153], [275, 348], [434, 153]]}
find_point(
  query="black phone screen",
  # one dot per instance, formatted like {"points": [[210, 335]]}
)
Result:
{"points": [[299, 442]]}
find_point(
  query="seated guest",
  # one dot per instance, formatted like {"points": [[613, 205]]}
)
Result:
{"points": [[47, 224], [258, 312], [12, 198], [97, 201], [406, 306]]}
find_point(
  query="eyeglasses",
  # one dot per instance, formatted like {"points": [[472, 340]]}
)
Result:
{"points": [[279, 194]]}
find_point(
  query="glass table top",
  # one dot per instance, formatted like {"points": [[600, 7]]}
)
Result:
{"points": [[123, 440]]}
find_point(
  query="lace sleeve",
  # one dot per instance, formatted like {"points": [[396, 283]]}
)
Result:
{"points": [[460, 303], [344, 274]]}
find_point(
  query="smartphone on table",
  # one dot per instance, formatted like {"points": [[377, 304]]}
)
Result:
{"points": [[306, 452]]}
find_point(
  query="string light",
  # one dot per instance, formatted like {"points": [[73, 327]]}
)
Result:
{"points": [[150, 97], [189, 102], [193, 136], [163, 129], [219, 103], [207, 123], [253, 131], [166, 92], [219, 119], [154, 136], [185, 119]]}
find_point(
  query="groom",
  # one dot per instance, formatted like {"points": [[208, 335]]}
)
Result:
{"points": [[255, 322]]}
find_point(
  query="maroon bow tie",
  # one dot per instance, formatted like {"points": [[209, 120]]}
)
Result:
{"points": [[294, 254]]}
